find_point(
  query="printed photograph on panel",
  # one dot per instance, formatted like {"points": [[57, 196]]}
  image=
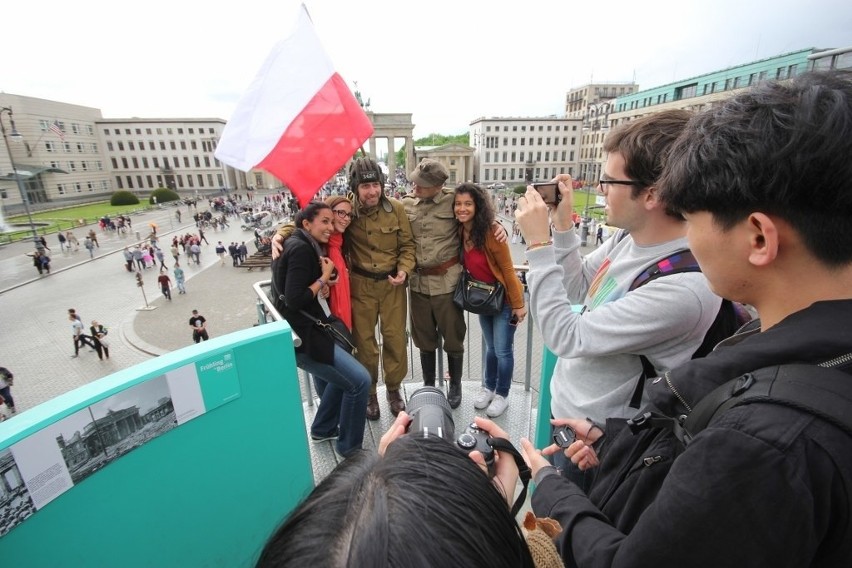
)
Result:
{"points": [[15, 502]]}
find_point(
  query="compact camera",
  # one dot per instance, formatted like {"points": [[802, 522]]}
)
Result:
{"points": [[431, 415], [549, 192]]}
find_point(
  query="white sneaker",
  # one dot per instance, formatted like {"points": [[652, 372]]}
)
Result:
{"points": [[497, 407], [483, 398]]}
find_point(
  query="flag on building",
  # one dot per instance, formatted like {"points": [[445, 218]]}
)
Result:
{"points": [[54, 127], [298, 120]]}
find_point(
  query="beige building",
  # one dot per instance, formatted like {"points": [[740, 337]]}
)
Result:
{"points": [[513, 151], [66, 162], [593, 104], [148, 153], [457, 158]]}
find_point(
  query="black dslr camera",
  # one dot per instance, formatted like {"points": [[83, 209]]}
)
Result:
{"points": [[431, 415]]}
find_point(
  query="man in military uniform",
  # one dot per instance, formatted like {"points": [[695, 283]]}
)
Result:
{"points": [[380, 247], [433, 314]]}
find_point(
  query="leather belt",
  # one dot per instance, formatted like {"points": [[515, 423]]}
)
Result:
{"points": [[373, 275], [438, 270]]}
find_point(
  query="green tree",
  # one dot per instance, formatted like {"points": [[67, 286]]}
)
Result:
{"points": [[123, 198]]}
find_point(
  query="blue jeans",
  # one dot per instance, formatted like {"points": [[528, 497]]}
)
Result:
{"points": [[343, 398], [499, 339]]}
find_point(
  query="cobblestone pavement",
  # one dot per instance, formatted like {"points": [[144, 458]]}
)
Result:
{"points": [[37, 345]]}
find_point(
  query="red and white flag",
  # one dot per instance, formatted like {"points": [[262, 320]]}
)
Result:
{"points": [[298, 120]]}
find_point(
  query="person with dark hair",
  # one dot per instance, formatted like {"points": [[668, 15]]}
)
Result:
{"points": [[198, 323], [764, 181], [6, 382], [420, 502], [605, 333], [343, 384], [488, 260], [380, 246]]}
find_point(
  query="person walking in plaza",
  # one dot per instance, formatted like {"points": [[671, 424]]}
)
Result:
{"points": [[242, 250], [147, 258], [234, 252], [62, 241], [298, 277], [220, 252], [180, 279], [72, 240], [198, 323], [41, 262], [488, 260], [175, 251], [201, 236], [6, 382], [94, 236], [139, 257], [177, 215], [165, 284], [128, 259], [195, 252], [99, 337], [161, 258], [381, 250], [90, 246], [77, 335]]}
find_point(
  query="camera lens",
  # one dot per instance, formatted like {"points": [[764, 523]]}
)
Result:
{"points": [[431, 414]]}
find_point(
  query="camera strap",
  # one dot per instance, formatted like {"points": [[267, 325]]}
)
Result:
{"points": [[524, 471]]}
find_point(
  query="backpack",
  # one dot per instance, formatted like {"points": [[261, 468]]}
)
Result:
{"points": [[625, 487], [731, 316]]}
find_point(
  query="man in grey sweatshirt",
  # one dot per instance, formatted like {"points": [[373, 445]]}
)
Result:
{"points": [[581, 304]]}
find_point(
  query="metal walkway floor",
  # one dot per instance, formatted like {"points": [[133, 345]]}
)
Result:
{"points": [[518, 421]]}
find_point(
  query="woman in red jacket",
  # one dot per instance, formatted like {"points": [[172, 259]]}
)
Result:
{"points": [[490, 261]]}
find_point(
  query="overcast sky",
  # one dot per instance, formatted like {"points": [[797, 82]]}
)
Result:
{"points": [[447, 62]]}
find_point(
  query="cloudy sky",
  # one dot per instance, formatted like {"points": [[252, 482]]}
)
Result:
{"points": [[447, 62]]}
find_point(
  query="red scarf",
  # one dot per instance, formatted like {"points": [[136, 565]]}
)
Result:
{"points": [[339, 300]]}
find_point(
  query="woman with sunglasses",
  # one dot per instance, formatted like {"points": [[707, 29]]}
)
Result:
{"points": [[337, 292], [490, 261]]}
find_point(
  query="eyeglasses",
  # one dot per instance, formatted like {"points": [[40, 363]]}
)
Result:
{"points": [[342, 214], [603, 182]]}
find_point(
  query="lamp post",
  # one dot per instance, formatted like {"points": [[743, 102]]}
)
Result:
{"points": [[24, 198]]}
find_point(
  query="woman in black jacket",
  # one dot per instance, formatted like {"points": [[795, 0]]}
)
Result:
{"points": [[298, 277]]}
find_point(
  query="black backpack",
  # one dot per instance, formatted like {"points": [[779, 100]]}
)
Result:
{"points": [[731, 316]]}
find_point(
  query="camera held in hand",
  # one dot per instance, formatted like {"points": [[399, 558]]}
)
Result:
{"points": [[431, 416]]}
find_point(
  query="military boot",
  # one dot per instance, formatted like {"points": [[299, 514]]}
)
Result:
{"points": [[427, 363], [455, 364]]}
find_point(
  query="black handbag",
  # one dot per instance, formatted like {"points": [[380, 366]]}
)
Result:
{"points": [[337, 330], [479, 297]]}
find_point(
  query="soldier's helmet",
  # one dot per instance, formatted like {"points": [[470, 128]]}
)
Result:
{"points": [[364, 170]]}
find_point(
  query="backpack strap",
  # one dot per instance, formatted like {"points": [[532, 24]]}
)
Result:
{"points": [[821, 391], [679, 261]]}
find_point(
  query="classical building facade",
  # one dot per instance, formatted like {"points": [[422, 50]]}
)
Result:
{"points": [[513, 151], [457, 158]]}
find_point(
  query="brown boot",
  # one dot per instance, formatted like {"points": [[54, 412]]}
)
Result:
{"points": [[373, 407], [397, 405]]}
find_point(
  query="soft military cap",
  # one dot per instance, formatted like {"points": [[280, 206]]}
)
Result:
{"points": [[429, 173]]}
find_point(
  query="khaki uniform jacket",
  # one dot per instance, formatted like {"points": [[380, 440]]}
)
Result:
{"points": [[436, 240], [380, 239]]}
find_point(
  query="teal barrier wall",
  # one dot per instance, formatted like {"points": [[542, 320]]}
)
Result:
{"points": [[205, 493], [542, 425]]}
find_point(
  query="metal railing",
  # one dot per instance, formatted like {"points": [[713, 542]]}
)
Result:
{"points": [[266, 313]]}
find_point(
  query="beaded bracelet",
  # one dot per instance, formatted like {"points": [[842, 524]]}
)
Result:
{"points": [[533, 246]]}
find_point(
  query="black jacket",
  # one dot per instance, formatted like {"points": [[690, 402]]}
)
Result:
{"points": [[292, 274], [763, 485]]}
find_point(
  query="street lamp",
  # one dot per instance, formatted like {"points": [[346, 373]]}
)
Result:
{"points": [[17, 136]]}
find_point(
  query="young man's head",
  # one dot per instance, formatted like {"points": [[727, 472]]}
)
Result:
{"points": [[635, 154], [428, 178], [783, 149], [765, 183]]}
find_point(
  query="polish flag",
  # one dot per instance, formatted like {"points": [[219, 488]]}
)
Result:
{"points": [[298, 120]]}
